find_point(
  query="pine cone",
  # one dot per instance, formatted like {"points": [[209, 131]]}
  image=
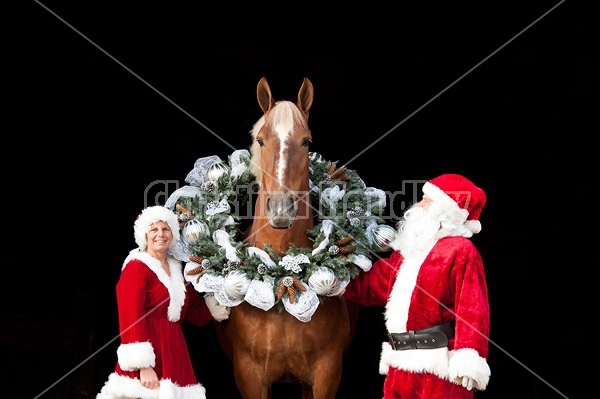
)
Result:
{"points": [[339, 172], [194, 271], [331, 169], [298, 285], [182, 209], [196, 259], [344, 241], [348, 249], [291, 293], [280, 290]]}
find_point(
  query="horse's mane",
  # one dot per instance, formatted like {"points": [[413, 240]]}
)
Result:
{"points": [[285, 119]]}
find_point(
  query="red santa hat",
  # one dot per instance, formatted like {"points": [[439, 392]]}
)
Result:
{"points": [[152, 215], [463, 199]]}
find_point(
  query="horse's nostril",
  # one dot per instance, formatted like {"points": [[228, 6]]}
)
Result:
{"points": [[291, 204], [268, 204]]}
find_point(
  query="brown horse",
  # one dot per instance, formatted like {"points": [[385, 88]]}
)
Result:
{"points": [[274, 346]]}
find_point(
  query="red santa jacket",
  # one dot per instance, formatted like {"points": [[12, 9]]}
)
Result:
{"points": [[421, 291]]}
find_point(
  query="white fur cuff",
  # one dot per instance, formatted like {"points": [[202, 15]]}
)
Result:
{"points": [[467, 363], [136, 356]]}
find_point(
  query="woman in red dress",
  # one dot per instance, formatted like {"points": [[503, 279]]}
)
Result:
{"points": [[153, 300]]}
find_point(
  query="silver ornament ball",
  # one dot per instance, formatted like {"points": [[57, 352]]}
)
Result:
{"points": [[194, 229], [315, 157], [383, 235]]}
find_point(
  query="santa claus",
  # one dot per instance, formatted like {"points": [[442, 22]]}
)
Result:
{"points": [[434, 291]]}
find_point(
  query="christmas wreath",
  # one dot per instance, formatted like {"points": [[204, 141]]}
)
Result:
{"points": [[211, 210]]}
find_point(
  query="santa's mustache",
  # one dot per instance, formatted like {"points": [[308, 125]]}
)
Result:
{"points": [[416, 230]]}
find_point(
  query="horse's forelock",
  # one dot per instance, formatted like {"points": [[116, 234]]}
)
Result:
{"points": [[286, 116]]}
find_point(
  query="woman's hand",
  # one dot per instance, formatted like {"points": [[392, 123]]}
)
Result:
{"points": [[148, 378], [219, 312]]}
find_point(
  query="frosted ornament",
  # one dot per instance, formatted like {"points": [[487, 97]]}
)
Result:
{"points": [[217, 170], [235, 284]]}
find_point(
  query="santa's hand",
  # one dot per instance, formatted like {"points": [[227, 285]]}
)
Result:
{"points": [[467, 383], [219, 312]]}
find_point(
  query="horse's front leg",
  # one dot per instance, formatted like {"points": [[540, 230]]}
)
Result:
{"points": [[326, 381], [250, 378], [327, 378], [326, 357], [307, 391]]}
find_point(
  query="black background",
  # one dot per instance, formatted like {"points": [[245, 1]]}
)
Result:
{"points": [[103, 99]]}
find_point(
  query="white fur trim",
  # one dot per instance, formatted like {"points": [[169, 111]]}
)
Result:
{"points": [[384, 366], [136, 355], [473, 225], [396, 309], [447, 365], [451, 208], [119, 387], [152, 215], [176, 290], [174, 284], [466, 362], [132, 255], [169, 390], [434, 361]]}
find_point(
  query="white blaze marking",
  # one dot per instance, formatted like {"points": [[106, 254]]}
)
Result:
{"points": [[283, 127]]}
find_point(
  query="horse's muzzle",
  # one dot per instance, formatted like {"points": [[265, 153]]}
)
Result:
{"points": [[281, 210]]}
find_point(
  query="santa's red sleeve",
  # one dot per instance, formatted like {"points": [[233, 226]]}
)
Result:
{"points": [[135, 351], [372, 288], [197, 312], [472, 328]]}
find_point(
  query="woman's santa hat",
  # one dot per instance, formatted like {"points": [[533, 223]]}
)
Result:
{"points": [[460, 197], [150, 216]]}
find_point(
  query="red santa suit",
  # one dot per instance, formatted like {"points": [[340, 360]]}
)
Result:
{"points": [[443, 282], [151, 306]]}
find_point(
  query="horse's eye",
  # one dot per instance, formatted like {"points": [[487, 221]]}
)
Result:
{"points": [[260, 142], [306, 142]]}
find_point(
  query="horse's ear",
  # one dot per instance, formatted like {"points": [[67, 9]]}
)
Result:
{"points": [[263, 95], [305, 96]]}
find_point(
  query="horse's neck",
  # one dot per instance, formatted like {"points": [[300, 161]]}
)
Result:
{"points": [[260, 233]]}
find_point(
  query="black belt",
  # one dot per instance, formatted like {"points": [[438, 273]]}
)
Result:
{"points": [[427, 338]]}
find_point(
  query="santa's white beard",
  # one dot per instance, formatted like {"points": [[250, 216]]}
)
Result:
{"points": [[417, 231]]}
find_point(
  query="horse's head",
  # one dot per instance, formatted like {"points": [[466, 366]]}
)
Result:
{"points": [[280, 159]]}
